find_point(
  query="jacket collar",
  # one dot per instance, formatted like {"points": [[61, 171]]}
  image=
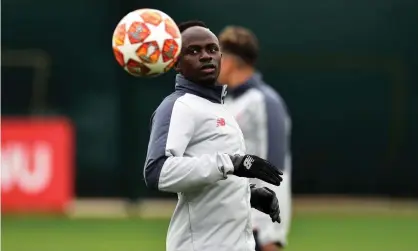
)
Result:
{"points": [[241, 89], [214, 93]]}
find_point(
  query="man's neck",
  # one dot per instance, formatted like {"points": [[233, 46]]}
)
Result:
{"points": [[206, 83], [240, 77]]}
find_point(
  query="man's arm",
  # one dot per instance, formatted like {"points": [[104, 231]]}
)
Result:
{"points": [[278, 127], [166, 169], [277, 132], [272, 135], [269, 137]]}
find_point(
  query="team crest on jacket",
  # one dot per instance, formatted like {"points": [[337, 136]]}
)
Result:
{"points": [[220, 122]]}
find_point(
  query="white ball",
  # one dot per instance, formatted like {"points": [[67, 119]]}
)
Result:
{"points": [[146, 42]]}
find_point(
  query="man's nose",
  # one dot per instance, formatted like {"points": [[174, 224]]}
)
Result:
{"points": [[205, 56]]}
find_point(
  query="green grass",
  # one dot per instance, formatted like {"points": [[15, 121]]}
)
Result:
{"points": [[310, 232]]}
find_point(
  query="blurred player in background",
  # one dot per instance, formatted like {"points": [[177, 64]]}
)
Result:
{"points": [[197, 150], [262, 115]]}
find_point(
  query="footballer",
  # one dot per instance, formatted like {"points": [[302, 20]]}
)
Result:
{"points": [[197, 150]]}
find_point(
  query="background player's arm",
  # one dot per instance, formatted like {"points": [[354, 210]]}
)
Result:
{"points": [[271, 123], [270, 134], [166, 168], [268, 138]]}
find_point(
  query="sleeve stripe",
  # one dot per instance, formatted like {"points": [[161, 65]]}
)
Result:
{"points": [[156, 155]]}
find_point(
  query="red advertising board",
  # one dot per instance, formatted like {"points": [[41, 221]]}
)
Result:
{"points": [[37, 164]]}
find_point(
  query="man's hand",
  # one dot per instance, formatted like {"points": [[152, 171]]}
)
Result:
{"points": [[264, 200], [251, 166]]}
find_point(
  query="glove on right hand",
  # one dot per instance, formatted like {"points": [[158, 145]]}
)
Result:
{"points": [[251, 166]]}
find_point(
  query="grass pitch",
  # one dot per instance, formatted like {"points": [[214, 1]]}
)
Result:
{"points": [[313, 231]]}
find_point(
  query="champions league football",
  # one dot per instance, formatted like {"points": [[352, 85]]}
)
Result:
{"points": [[146, 43]]}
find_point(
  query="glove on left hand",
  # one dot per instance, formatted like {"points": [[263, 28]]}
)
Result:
{"points": [[264, 200]]}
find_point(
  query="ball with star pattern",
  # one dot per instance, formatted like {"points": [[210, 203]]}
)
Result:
{"points": [[146, 43]]}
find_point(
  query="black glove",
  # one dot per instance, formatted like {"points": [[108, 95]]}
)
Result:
{"points": [[251, 166], [264, 200]]}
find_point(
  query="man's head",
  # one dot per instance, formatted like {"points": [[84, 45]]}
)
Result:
{"points": [[200, 57], [239, 47]]}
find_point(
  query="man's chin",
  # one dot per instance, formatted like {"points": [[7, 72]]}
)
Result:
{"points": [[209, 79]]}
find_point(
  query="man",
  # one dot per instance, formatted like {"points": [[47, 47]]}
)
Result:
{"points": [[264, 121], [197, 150]]}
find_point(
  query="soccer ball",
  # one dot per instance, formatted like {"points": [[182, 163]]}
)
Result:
{"points": [[146, 43]]}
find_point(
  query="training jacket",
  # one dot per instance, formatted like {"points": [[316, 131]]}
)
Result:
{"points": [[191, 136], [264, 120]]}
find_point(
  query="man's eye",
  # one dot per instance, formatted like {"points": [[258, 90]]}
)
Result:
{"points": [[213, 49], [193, 51]]}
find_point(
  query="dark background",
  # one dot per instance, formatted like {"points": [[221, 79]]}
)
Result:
{"points": [[347, 70]]}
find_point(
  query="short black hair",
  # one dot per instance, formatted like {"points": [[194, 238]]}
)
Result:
{"points": [[192, 23], [241, 42]]}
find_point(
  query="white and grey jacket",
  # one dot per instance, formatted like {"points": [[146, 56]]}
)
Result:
{"points": [[191, 136]]}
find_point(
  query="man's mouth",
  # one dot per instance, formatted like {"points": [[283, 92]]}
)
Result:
{"points": [[208, 68]]}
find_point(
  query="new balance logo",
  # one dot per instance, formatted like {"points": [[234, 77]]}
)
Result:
{"points": [[220, 122], [248, 162]]}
